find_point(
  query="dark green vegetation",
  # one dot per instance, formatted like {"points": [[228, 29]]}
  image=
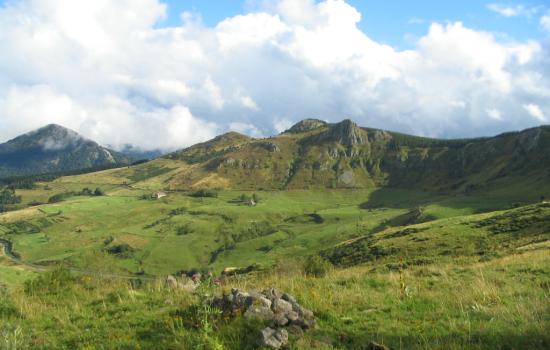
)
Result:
{"points": [[54, 149], [8, 199], [420, 244]]}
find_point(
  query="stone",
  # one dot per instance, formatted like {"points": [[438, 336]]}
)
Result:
{"points": [[259, 313], [272, 293], [280, 320], [172, 282], [258, 298], [273, 338], [280, 305], [292, 316]]}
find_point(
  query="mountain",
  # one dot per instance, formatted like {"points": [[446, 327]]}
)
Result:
{"points": [[316, 154], [54, 148]]}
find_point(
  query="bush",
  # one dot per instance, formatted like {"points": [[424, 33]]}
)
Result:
{"points": [[122, 251], [317, 266], [184, 230], [205, 193], [60, 197]]}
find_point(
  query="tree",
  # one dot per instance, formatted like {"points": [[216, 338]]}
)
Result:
{"points": [[8, 196], [99, 192]]}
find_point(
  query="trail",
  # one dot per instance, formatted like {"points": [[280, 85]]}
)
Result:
{"points": [[7, 251]]}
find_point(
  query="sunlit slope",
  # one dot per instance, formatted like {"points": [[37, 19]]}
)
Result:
{"points": [[182, 232]]}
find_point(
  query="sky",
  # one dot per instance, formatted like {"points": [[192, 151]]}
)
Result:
{"points": [[167, 74]]}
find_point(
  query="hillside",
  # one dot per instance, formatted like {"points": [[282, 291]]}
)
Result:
{"points": [[442, 244], [54, 148], [314, 154]]}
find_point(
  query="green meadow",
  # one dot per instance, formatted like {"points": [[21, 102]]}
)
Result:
{"points": [[408, 269]]}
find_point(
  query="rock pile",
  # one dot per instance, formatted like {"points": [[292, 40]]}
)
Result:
{"points": [[278, 310]]}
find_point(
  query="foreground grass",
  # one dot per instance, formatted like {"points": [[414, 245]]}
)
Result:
{"points": [[454, 304]]}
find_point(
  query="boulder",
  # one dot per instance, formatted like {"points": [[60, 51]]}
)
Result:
{"points": [[273, 338], [281, 306], [261, 313], [172, 282]]}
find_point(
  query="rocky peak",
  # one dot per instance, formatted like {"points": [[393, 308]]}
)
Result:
{"points": [[305, 126], [346, 133]]}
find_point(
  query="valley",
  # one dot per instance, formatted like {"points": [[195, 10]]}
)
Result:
{"points": [[373, 231]]}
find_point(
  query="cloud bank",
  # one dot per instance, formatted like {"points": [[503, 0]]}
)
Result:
{"points": [[105, 69]]}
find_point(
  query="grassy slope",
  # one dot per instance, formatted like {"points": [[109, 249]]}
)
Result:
{"points": [[502, 303], [474, 276]]}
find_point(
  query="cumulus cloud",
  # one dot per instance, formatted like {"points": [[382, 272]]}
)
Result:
{"points": [[535, 111], [107, 70]]}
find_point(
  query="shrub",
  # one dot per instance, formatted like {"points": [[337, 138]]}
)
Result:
{"points": [[184, 230], [205, 193], [121, 250], [317, 266], [59, 197]]}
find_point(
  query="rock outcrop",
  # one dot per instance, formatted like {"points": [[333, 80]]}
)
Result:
{"points": [[346, 133], [305, 126]]}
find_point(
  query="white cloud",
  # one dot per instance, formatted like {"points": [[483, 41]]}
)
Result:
{"points": [[106, 70], [494, 113], [281, 125], [513, 10], [545, 22], [535, 111], [245, 128]]}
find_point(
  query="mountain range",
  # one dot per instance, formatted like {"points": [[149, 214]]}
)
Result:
{"points": [[311, 154], [316, 154]]}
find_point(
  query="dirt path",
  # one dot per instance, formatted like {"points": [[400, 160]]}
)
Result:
{"points": [[7, 251]]}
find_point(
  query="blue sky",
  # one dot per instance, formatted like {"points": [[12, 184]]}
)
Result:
{"points": [[127, 71], [395, 22]]}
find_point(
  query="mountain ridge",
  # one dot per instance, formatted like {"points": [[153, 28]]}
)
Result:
{"points": [[54, 148], [314, 153]]}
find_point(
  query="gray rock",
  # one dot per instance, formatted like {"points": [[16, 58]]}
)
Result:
{"points": [[273, 338], [281, 306], [280, 320], [258, 298], [259, 313], [292, 316], [272, 293]]}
